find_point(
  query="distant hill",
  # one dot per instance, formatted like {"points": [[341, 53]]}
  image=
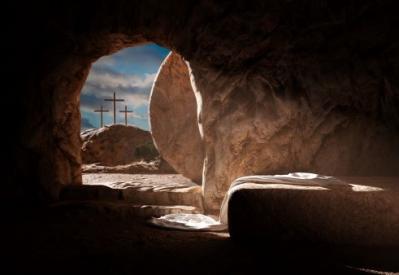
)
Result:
{"points": [[117, 145], [122, 149]]}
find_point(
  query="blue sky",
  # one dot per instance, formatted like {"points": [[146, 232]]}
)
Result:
{"points": [[130, 73]]}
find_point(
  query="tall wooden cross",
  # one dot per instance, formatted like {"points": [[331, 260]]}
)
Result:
{"points": [[114, 99], [101, 111], [126, 111]]}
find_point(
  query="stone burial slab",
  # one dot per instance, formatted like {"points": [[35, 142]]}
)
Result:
{"points": [[305, 207]]}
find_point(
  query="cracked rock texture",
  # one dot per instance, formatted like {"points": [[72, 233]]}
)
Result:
{"points": [[285, 85]]}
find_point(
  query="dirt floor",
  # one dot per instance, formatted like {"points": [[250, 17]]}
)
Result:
{"points": [[71, 239]]}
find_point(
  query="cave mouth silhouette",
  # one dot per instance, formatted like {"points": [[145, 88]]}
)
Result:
{"points": [[130, 158], [130, 73], [155, 83], [116, 93]]}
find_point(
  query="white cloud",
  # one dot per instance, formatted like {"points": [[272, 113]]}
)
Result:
{"points": [[132, 101], [114, 81], [133, 88]]}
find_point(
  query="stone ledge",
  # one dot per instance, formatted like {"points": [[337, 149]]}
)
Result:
{"points": [[343, 216], [137, 189]]}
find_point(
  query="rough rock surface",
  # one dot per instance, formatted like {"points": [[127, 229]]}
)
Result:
{"points": [[117, 145], [173, 117], [285, 85]]}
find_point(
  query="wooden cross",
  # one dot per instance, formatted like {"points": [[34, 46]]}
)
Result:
{"points": [[126, 111], [101, 111], [114, 99]]}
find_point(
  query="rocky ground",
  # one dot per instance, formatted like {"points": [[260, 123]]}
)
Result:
{"points": [[68, 239]]}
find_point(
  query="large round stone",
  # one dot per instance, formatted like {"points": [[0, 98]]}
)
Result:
{"points": [[173, 117]]}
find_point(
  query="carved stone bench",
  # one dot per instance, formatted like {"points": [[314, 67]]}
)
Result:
{"points": [[310, 208]]}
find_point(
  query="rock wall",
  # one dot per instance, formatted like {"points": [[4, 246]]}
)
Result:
{"points": [[285, 85], [255, 128]]}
